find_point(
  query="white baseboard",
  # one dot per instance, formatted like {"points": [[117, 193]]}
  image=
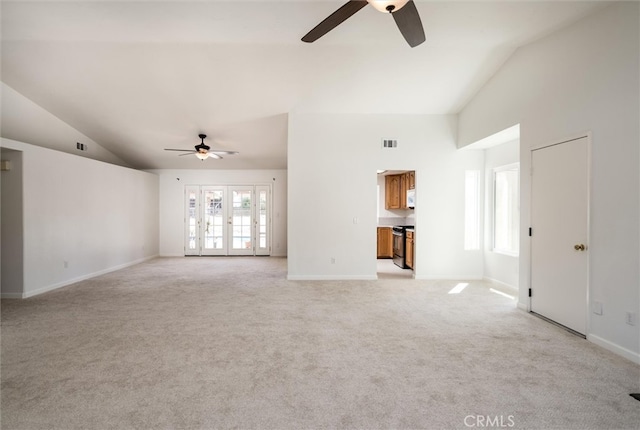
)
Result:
{"points": [[331, 277], [523, 306], [461, 278], [81, 278], [10, 295], [501, 284], [616, 349], [182, 255]]}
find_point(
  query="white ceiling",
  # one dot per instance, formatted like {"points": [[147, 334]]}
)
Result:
{"points": [[137, 77]]}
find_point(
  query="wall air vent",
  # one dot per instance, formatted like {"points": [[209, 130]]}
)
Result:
{"points": [[389, 143]]}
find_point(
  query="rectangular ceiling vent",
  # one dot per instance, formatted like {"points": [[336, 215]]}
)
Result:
{"points": [[389, 143], [81, 146]]}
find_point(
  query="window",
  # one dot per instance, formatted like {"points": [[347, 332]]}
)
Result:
{"points": [[506, 209], [472, 210]]}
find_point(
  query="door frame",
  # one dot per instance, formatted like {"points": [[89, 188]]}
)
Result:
{"points": [[229, 211], [227, 189], [569, 138]]}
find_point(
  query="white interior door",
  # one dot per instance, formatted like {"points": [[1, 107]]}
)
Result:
{"points": [[559, 221], [228, 220]]}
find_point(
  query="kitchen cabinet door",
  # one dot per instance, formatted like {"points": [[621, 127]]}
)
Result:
{"points": [[392, 192], [410, 250], [404, 186], [385, 242]]}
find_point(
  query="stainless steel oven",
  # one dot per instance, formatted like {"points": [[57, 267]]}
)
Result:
{"points": [[398, 246]]}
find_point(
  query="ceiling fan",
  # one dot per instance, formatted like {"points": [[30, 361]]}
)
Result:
{"points": [[404, 13], [203, 151]]}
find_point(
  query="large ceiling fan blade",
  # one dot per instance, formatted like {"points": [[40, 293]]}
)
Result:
{"points": [[183, 150], [222, 151], [188, 153], [212, 155], [409, 24], [334, 20]]}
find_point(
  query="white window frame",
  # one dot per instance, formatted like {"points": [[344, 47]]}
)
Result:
{"points": [[516, 216], [472, 210]]}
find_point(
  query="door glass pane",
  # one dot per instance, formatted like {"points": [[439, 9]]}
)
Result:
{"points": [[241, 217], [262, 221], [213, 220], [192, 221]]}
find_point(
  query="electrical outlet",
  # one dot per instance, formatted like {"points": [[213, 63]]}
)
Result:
{"points": [[333, 260], [66, 264], [631, 318], [596, 308]]}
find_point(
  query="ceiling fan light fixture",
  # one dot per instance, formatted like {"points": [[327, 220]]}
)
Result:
{"points": [[386, 6], [203, 151]]}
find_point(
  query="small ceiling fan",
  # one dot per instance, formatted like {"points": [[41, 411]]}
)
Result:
{"points": [[203, 151], [404, 13]]}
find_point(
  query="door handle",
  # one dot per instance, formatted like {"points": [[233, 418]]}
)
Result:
{"points": [[580, 247]]}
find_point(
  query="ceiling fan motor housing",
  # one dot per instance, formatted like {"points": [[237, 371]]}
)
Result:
{"points": [[387, 5], [202, 147]]}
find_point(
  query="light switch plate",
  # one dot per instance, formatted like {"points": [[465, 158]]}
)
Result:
{"points": [[596, 308]]}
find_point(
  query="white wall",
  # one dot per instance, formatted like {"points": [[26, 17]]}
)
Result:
{"points": [[172, 185], [94, 216], [498, 267], [584, 78], [25, 121], [332, 180], [12, 278]]}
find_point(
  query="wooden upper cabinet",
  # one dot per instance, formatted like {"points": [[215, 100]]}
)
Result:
{"points": [[404, 186], [396, 187], [392, 192], [412, 180]]}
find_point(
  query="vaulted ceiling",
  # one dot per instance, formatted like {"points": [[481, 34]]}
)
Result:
{"points": [[138, 77]]}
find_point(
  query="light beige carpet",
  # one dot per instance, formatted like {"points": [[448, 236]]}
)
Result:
{"points": [[203, 343]]}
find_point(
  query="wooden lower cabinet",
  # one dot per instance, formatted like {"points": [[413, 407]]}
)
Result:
{"points": [[385, 242], [410, 249]]}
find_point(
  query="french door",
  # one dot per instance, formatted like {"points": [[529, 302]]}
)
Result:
{"points": [[228, 220]]}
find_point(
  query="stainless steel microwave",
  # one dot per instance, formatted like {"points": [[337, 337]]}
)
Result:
{"points": [[411, 198]]}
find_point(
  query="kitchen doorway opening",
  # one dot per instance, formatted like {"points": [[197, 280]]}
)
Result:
{"points": [[396, 227]]}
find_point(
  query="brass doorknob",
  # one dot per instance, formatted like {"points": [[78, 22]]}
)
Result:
{"points": [[579, 247]]}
